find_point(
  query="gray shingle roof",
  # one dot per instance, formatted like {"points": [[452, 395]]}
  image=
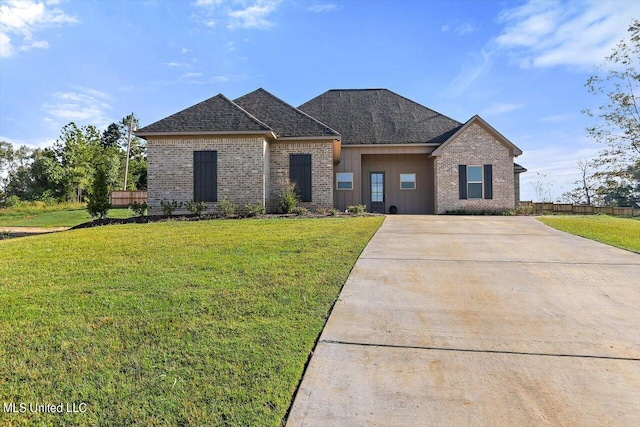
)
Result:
{"points": [[284, 119], [518, 169], [217, 114], [379, 116]]}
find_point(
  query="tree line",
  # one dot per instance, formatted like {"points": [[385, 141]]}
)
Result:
{"points": [[613, 178], [68, 169]]}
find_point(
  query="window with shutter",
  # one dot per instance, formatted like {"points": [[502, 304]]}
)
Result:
{"points": [[300, 175], [205, 176], [474, 182]]}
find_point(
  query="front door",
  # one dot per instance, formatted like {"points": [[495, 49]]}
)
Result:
{"points": [[376, 180]]}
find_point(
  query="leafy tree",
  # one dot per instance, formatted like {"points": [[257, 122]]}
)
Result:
{"points": [[619, 125], [624, 191], [48, 176], [15, 169], [6, 159], [112, 136]]}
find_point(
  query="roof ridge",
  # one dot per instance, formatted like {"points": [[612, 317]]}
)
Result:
{"points": [[286, 104], [299, 110], [355, 90], [242, 110]]}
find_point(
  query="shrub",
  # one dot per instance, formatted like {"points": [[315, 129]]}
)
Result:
{"points": [[322, 211], [196, 207], [288, 198], [523, 210], [168, 207], [299, 210], [356, 209], [98, 204], [13, 201], [226, 208], [139, 209], [334, 212], [255, 209], [4, 234]]}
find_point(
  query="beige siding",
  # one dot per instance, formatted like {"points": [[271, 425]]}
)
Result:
{"points": [[474, 146], [321, 171], [392, 160], [241, 169]]}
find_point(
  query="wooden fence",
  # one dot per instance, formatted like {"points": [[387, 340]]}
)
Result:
{"points": [[125, 198], [570, 209]]}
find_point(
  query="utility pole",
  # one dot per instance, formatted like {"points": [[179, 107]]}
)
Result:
{"points": [[126, 164]]}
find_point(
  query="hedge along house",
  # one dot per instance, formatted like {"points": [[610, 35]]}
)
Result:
{"points": [[344, 147]]}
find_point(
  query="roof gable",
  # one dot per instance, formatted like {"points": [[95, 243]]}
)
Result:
{"points": [[379, 116], [486, 126], [216, 114], [286, 120]]}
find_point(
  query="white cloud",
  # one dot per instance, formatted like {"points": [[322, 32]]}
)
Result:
{"points": [[39, 44], [470, 72], [184, 50], [208, 2], [557, 118], [191, 75], [497, 109], [465, 29], [172, 64], [6, 49], [83, 105], [461, 30], [238, 14], [20, 19], [32, 143], [254, 16], [574, 34], [322, 7]]}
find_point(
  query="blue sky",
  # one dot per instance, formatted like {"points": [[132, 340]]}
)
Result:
{"points": [[520, 65]]}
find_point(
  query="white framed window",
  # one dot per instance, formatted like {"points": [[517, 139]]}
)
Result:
{"points": [[474, 182], [407, 181], [344, 181]]}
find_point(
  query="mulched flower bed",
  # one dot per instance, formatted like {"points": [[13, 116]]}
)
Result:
{"points": [[160, 218]]}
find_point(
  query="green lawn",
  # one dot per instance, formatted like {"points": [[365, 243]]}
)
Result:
{"points": [[173, 323], [55, 218], [620, 232]]}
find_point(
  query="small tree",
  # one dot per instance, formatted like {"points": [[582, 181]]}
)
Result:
{"points": [[98, 204], [587, 184]]}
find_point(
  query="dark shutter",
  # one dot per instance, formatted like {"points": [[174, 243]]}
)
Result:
{"points": [[205, 176], [462, 181], [300, 175], [488, 181]]}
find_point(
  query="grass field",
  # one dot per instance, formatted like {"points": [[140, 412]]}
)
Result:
{"points": [[620, 232], [174, 323], [63, 215]]}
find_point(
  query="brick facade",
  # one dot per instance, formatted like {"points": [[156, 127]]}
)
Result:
{"points": [[242, 175], [474, 146], [321, 171]]}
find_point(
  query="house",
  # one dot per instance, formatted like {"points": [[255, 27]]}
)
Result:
{"points": [[344, 147]]}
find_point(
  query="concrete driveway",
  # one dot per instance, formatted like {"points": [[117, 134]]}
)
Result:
{"points": [[479, 321]]}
